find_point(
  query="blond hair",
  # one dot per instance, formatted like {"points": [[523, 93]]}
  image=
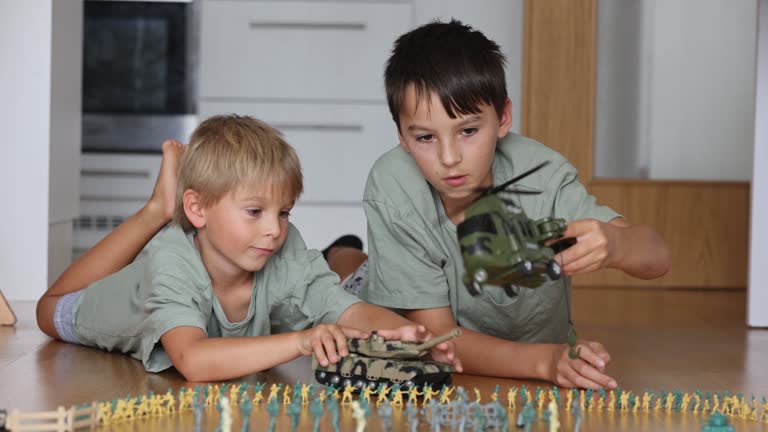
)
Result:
{"points": [[226, 152]]}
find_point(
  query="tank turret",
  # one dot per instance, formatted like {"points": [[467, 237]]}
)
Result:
{"points": [[374, 361], [377, 346]]}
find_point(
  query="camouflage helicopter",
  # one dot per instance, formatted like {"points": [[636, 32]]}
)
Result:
{"points": [[501, 246]]}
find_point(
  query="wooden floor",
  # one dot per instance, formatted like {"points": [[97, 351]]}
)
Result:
{"points": [[659, 340]]}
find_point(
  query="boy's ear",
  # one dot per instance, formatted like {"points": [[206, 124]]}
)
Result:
{"points": [[194, 208], [506, 119]]}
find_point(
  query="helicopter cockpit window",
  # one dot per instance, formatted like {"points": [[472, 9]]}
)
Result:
{"points": [[477, 223]]}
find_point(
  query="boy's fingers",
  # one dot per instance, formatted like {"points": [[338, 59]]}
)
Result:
{"points": [[329, 344], [317, 348], [352, 332], [593, 375], [580, 380], [339, 341], [588, 355], [600, 350], [390, 334]]}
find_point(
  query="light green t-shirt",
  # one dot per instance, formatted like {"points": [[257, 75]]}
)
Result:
{"points": [[130, 310], [414, 256]]}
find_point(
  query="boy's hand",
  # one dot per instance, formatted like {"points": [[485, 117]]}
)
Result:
{"points": [[595, 248], [587, 371], [444, 352], [327, 341]]}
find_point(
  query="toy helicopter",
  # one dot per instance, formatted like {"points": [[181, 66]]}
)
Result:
{"points": [[501, 246]]}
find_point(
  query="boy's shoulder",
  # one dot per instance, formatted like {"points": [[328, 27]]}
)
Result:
{"points": [[395, 181], [516, 154], [172, 252]]}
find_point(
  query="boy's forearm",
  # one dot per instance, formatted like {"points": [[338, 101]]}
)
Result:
{"points": [[482, 354], [367, 317], [217, 359], [642, 252]]}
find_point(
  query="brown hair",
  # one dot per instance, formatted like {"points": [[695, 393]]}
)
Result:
{"points": [[229, 151]]}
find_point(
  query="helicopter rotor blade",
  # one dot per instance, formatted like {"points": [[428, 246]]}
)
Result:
{"points": [[520, 192], [518, 178]]}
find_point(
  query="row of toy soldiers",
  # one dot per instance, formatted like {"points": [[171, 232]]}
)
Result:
{"points": [[733, 405], [158, 405]]}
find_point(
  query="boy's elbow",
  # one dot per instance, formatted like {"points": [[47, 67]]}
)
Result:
{"points": [[190, 369]]}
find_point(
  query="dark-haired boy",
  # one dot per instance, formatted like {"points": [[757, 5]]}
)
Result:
{"points": [[447, 95]]}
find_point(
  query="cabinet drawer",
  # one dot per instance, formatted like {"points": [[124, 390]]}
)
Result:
{"points": [[298, 50], [336, 143]]}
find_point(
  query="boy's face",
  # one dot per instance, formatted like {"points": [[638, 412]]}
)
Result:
{"points": [[243, 230], [454, 155]]}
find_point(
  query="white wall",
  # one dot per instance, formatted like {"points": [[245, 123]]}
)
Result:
{"points": [[500, 20], [29, 119], [757, 310], [676, 82]]}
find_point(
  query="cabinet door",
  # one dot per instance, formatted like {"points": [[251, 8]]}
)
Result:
{"points": [[336, 143], [333, 51]]}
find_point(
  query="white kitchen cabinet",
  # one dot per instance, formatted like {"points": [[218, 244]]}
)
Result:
{"points": [[333, 51]]}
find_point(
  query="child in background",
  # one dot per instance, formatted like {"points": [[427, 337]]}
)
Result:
{"points": [[230, 288], [447, 94]]}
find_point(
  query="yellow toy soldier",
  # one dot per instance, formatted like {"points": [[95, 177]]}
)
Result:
{"points": [[130, 408], [512, 398], [210, 396], [686, 401], [429, 393], [646, 401], [746, 411], [413, 394], [716, 403], [397, 398], [624, 401], [696, 402], [336, 395], [764, 413], [367, 392], [670, 402], [273, 391], [305, 394], [383, 394], [322, 397], [155, 408], [753, 413], [477, 395], [554, 416], [582, 400], [611, 401], [600, 404], [346, 398], [119, 414], [105, 412], [636, 404], [540, 402], [169, 401], [233, 391], [258, 397], [287, 395], [142, 409], [568, 400], [705, 407], [446, 396]]}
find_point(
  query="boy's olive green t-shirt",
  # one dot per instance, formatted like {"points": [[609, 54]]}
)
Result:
{"points": [[169, 287], [414, 256]]}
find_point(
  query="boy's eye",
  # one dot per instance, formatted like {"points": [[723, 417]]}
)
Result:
{"points": [[425, 138], [285, 214], [253, 212], [469, 131]]}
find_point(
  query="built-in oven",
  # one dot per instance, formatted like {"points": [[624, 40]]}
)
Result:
{"points": [[139, 74]]}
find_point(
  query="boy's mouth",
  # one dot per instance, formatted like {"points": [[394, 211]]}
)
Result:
{"points": [[455, 181]]}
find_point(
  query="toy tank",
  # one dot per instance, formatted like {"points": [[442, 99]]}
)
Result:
{"points": [[374, 361]]}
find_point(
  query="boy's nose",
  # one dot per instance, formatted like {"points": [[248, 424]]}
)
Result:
{"points": [[450, 154], [273, 228]]}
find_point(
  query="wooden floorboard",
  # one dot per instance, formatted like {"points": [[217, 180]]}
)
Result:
{"points": [[659, 340]]}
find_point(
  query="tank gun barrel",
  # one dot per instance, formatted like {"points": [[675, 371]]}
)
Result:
{"points": [[438, 340]]}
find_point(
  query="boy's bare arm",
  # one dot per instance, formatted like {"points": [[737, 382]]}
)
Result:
{"points": [[637, 250], [491, 356], [200, 358]]}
